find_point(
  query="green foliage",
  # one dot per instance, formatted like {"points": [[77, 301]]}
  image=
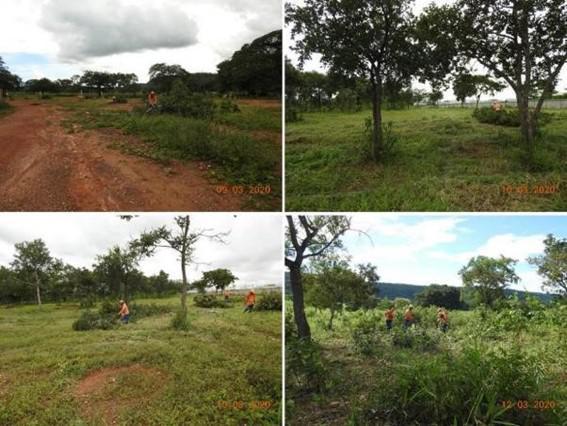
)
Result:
{"points": [[227, 105], [209, 301], [218, 279], [418, 338], [89, 320], [552, 265], [440, 295], [181, 101], [180, 321], [505, 117], [366, 337], [271, 301], [305, 369], [389, 138]]}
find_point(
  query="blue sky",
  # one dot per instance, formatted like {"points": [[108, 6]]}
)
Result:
{"points": [[425, 249]]}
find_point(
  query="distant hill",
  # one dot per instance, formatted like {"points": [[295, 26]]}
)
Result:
{"points": [[409, 291]]}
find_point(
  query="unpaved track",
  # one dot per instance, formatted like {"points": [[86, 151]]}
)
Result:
{"points": [[43, 167]]}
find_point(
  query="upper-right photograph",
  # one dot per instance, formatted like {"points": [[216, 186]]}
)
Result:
{"points": [[445, 105]]}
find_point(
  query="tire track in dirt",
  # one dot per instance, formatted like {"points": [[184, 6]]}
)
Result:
{"points": [[44, 167]]}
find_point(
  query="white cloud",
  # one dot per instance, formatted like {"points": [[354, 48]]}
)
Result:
{"points": [[107, 27], [253, 252]]}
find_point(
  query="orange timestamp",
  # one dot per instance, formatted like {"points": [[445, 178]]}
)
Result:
{"points": [[541, 189], [523, 404], [245, 405], [244, 189]]}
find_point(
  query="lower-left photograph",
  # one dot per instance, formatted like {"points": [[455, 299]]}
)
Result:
{"points": [[140, 319]]}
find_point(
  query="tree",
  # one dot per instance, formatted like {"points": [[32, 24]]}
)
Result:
{"points": [[358, 38], [8, 81], [523, 42], [440, 295], [467, 85], [40, 86], [33, 263], [98, 80], [309, 237], [116, 268], [219, 278], [256, 68], [337, 286], [552, 265], [487, 277], [182, 240], [434, 97], [162, 76]]}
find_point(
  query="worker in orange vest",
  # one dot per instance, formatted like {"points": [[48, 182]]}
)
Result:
{"points": [[250, 301], [442, 319], [124, 312], [389, 314], [408, 317]]}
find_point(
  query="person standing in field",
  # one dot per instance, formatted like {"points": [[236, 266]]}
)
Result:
{"points": [[152, 100], [442, 319], [226, 295], [408, 317], [389, 315], [124, 312], [250, 301]]}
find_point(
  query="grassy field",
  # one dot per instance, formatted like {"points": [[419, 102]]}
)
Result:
{"points": [[483, 371], [225, 370], [243, 148], [445, 160]]}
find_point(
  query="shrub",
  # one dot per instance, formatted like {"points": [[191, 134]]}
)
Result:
{"points": [[292, 114], [305, 370], [416, 338], [87, 303], [271, 301], [182, 102], [227, 105], [180, 320], [208, 301], [89, 320], [509, 117], [147, 310], [365, 336], [4, 105]]}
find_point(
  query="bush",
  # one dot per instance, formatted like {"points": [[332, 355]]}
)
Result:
{"points": [[227, 105], [182, 102], [416, 338], [89, 320], [209, 301], [509, 117], [292, 114], [180, 320], [87, 303], [303, 363], [365, 336], [271, 301], [147, 310]]}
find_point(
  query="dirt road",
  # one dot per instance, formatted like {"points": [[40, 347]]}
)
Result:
{"points": [[43, 167]]}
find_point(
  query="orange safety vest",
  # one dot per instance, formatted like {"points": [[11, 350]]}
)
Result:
{"points": [[251, 298], [389, 314], [408, 316]]}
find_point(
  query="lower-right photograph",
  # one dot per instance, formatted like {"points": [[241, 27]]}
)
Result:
{"points": [[426, 319]]}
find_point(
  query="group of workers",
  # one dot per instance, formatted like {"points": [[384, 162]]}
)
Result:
{"points": [[249, 302], [409, 318]]}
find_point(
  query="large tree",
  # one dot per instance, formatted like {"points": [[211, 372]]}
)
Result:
{"points": [[256, 68], [440, 295], [219, 278], [8, 81], [33, 263], [163, 75], [552, 264], [309, 237], [181, 239], [116, 268], [358, 38], [337, 286], [487, 277], [523, 42], [98, 80]]}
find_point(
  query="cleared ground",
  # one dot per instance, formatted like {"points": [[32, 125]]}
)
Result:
{"points": [[51, 161], [444, 160], [225, 370]]}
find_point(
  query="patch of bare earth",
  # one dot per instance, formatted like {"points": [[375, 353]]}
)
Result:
{"points": [[106, 393], [46, 167]]}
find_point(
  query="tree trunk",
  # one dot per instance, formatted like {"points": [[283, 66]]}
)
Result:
{"points": [[184, 286], [377, 121], [526, 124], [298, 304], [477, 101], [37, 290], [330, 326]]}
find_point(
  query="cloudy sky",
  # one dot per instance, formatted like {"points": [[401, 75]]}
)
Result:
{"points": [[419, 5], [418, 249], [253, 251], [60, 38]]}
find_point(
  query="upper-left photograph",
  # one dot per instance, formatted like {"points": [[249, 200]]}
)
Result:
{"points": [[139, 105]]}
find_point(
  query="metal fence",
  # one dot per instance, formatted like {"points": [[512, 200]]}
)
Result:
{"points": [[548, 104]]}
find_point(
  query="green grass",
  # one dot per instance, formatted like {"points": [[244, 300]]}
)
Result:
{"points": [[225, 356], [444, 161], [5, 109], [244, 147], [461, 376]]}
